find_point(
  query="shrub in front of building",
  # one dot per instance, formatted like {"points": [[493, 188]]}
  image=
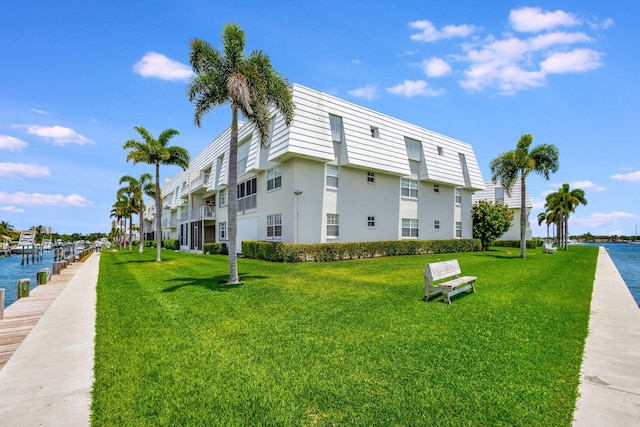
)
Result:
{"points": [[531, 244], [324, 252], [215, 249], [171, 244]]}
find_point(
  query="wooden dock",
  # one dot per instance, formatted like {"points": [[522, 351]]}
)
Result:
{"points": [[21, 316]]}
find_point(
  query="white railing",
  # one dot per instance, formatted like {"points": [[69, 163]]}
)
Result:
{"points": [[199, 182], [204, 212]]}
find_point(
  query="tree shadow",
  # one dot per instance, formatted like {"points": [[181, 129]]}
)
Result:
{"points": [[218, 283]]}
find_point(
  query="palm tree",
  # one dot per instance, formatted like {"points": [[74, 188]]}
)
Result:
{"points": [[119, 211], [516, 164], [251, 86], [544, 217], [139, 188], [564, 202], [156, 152]]}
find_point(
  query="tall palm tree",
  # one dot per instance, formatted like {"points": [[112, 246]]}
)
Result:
{"points": [[564, 202], [516, 164], [139, 188], [119, 211], [251, 86], [156, 152]]}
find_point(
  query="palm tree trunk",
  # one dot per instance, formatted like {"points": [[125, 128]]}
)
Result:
{"points": [[130, 231], [523, 218], [158, 216], [232, 193], [141, 226]]}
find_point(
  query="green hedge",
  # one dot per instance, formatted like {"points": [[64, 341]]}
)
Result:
{"points": [[531, 244], [171, 244], [322, 252], [215, 248]]}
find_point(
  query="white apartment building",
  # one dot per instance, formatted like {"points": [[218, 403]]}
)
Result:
{"points": [[495, 193], [340, 173]]}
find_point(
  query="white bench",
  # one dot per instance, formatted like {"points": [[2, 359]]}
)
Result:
{"points": [[548, 248], [436, 283]]}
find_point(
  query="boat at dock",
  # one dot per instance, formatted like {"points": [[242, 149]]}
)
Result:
{"points": [[26, 244]]}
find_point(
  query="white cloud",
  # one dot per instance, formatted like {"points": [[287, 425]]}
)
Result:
{"points": [[58, 134], [411, 88], [436, 67], [632, 177], [37, 199], [578, 60], [17, 170], [586, 185], [368, 92], [601, 25], [599, 220], [538, 203], [429, 33], [11, 209], [35, 110], [159, 66], [11, 144], [533, 19]]}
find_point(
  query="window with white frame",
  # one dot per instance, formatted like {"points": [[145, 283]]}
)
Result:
{"points": [[274, 225], [409, 188], [458, 196], [440, 151], [222, 197], [375, 133], [223, 230], [436, 225], [247, 198], [332, 176], [436, 188], [414, 148], [333, 225], [274, 178], [458, 229], [371, 221], [243, 155], [337, 128], [409, 227], [499, 191], [371, 177], [272, 126]]}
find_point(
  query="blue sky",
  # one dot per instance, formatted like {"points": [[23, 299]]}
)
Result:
{"points": [[77, 76]]}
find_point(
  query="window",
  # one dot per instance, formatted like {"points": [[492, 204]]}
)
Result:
{"points": [[409, 227], [333, 225], [414, 148], [274, 178], [440, 151], [332, 176], [500, 195], [272, 126], [274, 225], [436, 225], [458, 229], [458, 196], [222, 197], [371, 221], [247, 194], [243, 155], [223, 231], [436, 188], [371, 177], [409, 188], [375, 133], [337, 129]]}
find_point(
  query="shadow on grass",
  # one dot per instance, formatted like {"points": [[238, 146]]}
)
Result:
{"points": [[216, 283]]}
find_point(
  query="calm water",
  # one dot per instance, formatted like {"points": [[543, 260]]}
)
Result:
{"points": [[626, 257], [11, 271]]}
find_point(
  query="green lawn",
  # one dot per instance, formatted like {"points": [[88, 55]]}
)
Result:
{"points": [[344, 343]]}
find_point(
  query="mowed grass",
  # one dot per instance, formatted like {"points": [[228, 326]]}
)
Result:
{"points": [[344, 343]]}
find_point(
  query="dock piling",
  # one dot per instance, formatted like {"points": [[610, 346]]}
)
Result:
{"points": [[24, 286], [1, 303]]}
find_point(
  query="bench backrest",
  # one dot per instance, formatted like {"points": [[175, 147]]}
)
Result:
{"points": [[441, 270]]}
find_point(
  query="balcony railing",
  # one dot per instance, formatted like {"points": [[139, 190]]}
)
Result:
{"points": [[184, 216], [204, 212], [199, 182]]}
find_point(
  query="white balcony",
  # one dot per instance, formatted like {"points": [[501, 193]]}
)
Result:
{"points": [[204, 212]]}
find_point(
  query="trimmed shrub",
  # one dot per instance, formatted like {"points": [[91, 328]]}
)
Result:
{"points": [[171, 244], [531, 244], [215, 249], [324, 252]]}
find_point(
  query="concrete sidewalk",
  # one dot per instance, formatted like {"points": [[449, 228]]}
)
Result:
{"points": [[610, 374], [48, 380]]}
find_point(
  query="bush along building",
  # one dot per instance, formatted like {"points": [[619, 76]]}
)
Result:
{"points": [[340, 173]]}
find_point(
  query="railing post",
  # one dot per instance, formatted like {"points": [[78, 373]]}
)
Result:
{"points": [[24, 286], [1, 303]]}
